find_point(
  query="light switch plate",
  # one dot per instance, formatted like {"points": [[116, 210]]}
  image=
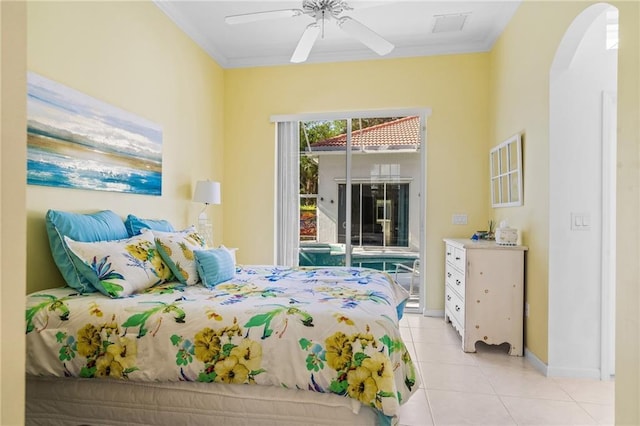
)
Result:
{"points": [[459, 219], [580, 221]]}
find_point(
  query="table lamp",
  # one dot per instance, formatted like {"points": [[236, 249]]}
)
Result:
{"points": [[206, 192]]}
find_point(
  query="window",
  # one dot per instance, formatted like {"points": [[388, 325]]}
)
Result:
{"points": [[506, 173], [379, 214]]}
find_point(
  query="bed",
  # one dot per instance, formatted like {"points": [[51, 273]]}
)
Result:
{"points": [[264, 345]]}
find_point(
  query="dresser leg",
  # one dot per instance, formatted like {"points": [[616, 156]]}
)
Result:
{"points": [[468, 346], [513, 351]]}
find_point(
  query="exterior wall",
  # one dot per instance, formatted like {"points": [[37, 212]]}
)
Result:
{"points": [[332, 167]]}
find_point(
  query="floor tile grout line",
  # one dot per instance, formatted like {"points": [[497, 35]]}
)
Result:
{"points": [[422, 378], [433, 419], [515, 422]]}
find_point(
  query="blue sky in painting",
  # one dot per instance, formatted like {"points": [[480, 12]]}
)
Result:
{"points": [[104, 125]]}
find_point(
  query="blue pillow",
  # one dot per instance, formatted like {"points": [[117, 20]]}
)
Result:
{"points": [[135, 225], [101, 226], [214, 266]]}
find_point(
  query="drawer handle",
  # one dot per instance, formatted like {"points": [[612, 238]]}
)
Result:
{"points": [[448, 253], [458, 282], [448, 274], [457, 258], [457, 308], [448, 297]]}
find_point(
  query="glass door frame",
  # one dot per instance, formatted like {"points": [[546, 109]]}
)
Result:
{"points": [[423, 113]]}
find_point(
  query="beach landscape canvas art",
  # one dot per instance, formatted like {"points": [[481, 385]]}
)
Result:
{"points": [[76, 141]]}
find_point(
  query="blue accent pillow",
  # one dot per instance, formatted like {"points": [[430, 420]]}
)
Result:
{"points": [[100, 226], [214, 266], [135, 225]]}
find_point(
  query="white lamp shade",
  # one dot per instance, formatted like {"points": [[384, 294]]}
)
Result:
{"points": [[207, 192]]}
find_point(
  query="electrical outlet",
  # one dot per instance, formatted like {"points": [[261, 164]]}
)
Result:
{"points": [[459, 219], [526, 310]]}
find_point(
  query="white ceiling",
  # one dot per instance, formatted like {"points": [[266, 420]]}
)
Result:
{"points": [[406, 24]]}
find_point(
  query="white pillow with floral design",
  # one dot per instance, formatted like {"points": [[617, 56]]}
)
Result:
{"points": [[176, 248], [120, 268]]}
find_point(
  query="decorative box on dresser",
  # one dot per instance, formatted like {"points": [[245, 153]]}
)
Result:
{"points": [[484, 292]]}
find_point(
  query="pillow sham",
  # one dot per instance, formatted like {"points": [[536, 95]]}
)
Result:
{"points": [[176, 249], [123, 267], [135, 225], [100, 226], [215, 266]]}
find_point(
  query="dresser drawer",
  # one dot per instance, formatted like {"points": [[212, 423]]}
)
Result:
{"points": [[457, 282], [455, 306], [449, 254], [459, 256], [449, 275], [455, 256]]}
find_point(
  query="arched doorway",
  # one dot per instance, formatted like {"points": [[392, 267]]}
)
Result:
{"points": [[582, 140]]}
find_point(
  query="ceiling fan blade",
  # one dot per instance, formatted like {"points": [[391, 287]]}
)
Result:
{"points": [[365, 35], [306, 42], [261, 16]]}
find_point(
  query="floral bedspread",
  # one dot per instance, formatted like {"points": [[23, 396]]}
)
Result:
{"points": [[320, 329]]}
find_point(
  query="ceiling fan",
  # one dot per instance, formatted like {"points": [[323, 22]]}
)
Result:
{"points": [[320, 11]]}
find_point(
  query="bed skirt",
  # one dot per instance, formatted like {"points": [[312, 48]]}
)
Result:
{"points": [[73, 401]]}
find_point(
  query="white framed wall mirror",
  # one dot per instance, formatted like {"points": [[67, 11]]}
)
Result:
{"points": [[505, 162]]}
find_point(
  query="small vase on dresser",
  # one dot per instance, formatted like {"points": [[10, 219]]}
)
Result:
{"points": [[484, 292]]}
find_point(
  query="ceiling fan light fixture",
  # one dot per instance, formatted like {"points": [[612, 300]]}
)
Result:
{"points": [[365, 35], [306, 42], [262, 16]]}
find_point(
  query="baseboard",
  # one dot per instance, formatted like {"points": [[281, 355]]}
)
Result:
{"points": [[535, 362], [578, 373]]}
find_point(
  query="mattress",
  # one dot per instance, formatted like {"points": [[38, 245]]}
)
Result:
{"points": [[72, 401]]}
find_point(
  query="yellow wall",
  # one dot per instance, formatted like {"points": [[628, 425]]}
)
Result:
{"points": [[455, 87], [12, 209], [628, 206], [130, 55], [520, 63]]}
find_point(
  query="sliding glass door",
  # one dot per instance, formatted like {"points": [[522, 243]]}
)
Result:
{"points": [[360, 195]]}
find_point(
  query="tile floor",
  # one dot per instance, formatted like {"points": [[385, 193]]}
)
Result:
{"points": [[490, 387]]}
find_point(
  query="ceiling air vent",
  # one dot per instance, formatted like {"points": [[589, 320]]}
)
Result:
{"points": [[449, 23]]}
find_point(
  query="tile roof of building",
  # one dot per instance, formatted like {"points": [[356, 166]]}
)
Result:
{"points": [[400, 134]]}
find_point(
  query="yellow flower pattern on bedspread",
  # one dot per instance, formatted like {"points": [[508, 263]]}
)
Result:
{"points": [[331, 330]]}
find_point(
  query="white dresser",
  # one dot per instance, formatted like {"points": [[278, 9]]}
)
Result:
{"points": [[484, 292]]}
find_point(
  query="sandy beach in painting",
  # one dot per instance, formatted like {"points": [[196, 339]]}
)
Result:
{"points": [[72, 149]]}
